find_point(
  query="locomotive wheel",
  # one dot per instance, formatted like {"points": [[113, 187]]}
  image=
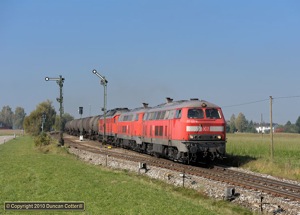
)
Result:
{"points": [[166, 150], [175, 156], [171, 153]]}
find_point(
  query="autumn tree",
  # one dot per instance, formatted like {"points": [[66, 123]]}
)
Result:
{"points": [[33, 122], [241, 123]]}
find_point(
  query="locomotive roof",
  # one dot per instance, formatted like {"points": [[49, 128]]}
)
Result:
{"points": [[174, 105], [116, 110], [139, 109], [184, 103]]}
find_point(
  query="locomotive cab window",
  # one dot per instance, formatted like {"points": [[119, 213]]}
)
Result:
{"points": [[213, 113], [195, 113]]}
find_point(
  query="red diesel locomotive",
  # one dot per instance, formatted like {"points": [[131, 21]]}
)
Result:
{"points": [[185, 131]]}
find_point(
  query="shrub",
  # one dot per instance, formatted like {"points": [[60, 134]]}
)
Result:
{"points": [[42, 140]]}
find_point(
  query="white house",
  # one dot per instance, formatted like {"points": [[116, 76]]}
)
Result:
{"points": [[263, 128]]}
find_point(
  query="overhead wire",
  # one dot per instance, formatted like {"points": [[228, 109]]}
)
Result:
{"points": [[286, 97], [262, 100], [246, 103]]}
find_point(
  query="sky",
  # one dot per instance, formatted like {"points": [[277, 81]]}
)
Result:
{"points": [[233, 53]]}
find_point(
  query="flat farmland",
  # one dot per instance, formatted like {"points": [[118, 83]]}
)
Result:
{"points": [[5, 132], [253, 152]]}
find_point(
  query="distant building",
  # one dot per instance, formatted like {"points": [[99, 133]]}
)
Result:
{"points": [[265, 127], [4, 126]]}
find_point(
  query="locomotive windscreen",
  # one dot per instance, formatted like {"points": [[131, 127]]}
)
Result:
{"points": [[212, 113], [195, 113]]}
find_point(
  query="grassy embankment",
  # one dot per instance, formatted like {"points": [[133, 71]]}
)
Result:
{"points": [[252, 151], [29, 174]]}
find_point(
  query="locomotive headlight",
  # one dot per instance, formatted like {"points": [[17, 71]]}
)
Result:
{"points": [[191, 136], [219, 137]]}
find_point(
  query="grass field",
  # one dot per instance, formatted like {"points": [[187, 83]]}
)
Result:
{"points": [[252, 151], [29, 174]]}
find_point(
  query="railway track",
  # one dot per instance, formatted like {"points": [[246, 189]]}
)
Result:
{"points": [[272, 187]]}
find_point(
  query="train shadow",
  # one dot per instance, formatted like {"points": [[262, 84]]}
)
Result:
{"points": [[237, 160], [228, 161]]}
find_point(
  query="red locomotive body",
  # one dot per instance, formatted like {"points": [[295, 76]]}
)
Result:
{"points": [[187, 131]]}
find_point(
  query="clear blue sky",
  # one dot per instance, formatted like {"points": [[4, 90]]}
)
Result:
{"points": [[226, 52]]}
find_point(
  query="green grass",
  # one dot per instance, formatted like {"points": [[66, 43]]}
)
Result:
{"points": [[51, 174], [252, 151]]}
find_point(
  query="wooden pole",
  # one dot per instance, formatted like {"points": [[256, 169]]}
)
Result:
{"points": [[271, 128]]}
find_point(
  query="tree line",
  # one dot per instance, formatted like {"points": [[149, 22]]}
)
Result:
{"points": [[10, 119], [33, 122], [241, 124]]}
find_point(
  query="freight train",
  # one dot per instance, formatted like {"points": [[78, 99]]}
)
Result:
{"points": [[187, 131]]}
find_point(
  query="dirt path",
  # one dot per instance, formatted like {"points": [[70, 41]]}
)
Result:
{"points": [[4, 139]]}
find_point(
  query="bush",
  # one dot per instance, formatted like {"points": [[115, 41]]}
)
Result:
{"points": [[42, 140]]}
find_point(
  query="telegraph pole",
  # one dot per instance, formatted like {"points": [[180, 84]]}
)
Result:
{"points": [[271, 127]]}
